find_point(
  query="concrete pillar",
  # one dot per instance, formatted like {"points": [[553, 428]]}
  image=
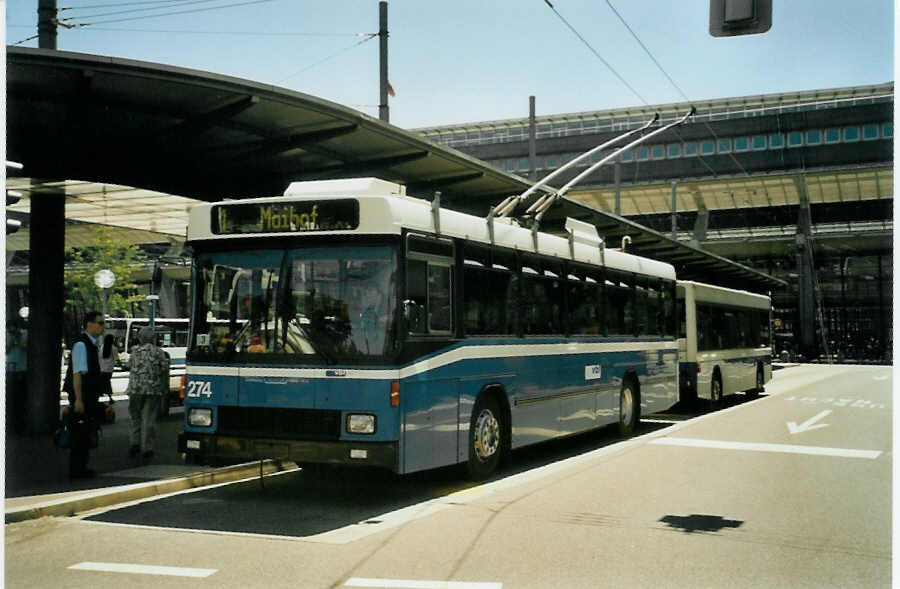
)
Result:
{"points": [[617, 171], [675, 211], [700, 225], [532, 139], [46, 293], [805, 326]]}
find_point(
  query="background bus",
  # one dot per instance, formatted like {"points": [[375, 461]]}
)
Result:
{"points": [[347, 323], [171, 336], [724, 341]]}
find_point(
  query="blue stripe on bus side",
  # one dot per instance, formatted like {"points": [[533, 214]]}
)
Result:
{"points": [[437, 402]]}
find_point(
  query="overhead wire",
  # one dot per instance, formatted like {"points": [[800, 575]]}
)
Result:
{"points": [[675, 85], [169, 4], [368, 37], [685, 96], [595, 52], [118, 4], [191, 11], [244, 33]]}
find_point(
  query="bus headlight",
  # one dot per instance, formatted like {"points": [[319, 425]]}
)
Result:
{"points": [[200, 417], [359, 423]]}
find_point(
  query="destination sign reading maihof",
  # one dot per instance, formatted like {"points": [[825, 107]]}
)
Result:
{"points": [[286, 217]]}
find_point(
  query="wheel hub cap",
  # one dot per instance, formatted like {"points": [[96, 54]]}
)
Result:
{"points": [[626, 407], [487, 435]]}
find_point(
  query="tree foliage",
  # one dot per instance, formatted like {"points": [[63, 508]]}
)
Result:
{"points": [[106, 252]]}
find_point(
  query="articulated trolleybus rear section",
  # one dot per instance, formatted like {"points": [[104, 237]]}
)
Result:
{"points": [[725, 341], [348, 323]]}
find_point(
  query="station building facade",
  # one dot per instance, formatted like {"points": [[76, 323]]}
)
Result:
{"points": [[797, 185]]}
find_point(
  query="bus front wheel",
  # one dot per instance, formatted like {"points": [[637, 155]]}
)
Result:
{"points": [[485, 438], [629, 407]]}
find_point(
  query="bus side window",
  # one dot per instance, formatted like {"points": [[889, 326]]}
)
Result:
{"points": [[654, 308], [487, 309], [640, 305], [414, 306], [584, 300], [541, 297], [667, 314], [440, 316], [619, 303]]}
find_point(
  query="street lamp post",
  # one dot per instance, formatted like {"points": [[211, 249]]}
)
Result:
{"points": [[104, 279]]}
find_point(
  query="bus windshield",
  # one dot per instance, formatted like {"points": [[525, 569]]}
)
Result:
{"points": [[329, 305]]}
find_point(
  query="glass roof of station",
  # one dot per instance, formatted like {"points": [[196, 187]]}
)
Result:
{"points": [[110, 204]]}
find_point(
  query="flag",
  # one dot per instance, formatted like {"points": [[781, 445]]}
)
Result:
{"points": [[390, 89]]}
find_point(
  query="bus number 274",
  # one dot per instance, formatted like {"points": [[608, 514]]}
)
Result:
{"points": [[197, 388]]}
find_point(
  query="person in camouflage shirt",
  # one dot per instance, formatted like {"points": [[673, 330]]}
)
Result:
{"points": [[148, 381]]}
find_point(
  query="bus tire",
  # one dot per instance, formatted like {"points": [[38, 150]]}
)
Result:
{"points": [[485, 438], [715, 394], [629, 407]]}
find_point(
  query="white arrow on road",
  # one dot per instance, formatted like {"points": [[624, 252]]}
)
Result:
{"points": [[807, 425]]}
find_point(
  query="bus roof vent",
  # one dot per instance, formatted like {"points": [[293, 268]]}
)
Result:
{"points": [[585, 233], [346, 187], [582, 232]]}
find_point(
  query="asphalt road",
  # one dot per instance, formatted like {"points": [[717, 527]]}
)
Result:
{"points": [[790, 490]]}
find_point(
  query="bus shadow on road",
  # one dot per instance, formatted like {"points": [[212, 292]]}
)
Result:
{"points": [[315, 500]]}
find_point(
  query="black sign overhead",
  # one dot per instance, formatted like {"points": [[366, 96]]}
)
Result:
{"points": [[286, 217]]}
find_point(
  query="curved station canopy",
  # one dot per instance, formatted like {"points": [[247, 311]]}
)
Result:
{"points": [[204, 136]]}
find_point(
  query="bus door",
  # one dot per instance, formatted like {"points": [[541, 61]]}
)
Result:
{"points": [[430, 400]]}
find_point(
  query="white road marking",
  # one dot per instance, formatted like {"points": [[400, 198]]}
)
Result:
{"points": [[807, 425], [142, 569], [414, 584], [838, 402], [780, 448]]}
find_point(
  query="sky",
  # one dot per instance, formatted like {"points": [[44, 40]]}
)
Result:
{"points": [[463, 61]]}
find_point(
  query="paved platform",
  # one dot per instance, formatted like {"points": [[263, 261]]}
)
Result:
{"points": [[37, 482]]}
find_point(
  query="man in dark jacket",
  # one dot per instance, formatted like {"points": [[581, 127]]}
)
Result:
{"points": [[84, 384]]}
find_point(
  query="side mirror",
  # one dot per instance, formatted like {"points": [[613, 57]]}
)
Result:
{"points": [[412, 315]]}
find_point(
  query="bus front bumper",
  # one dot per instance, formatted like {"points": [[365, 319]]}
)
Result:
{"points": [[381, 454]]}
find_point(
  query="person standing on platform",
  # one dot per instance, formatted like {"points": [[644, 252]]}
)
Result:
{"points": [[108, 356], [16, 381], [83, 384], [148, 381]]}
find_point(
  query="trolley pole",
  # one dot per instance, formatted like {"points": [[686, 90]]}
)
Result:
{"points": [[383, 109]]}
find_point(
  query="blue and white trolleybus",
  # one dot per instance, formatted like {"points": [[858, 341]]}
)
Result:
{"points": [[346, 322]]}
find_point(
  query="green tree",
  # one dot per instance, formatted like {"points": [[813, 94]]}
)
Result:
{"points": [[106, 252]]}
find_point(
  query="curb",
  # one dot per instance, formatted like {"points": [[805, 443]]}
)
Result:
{"points": [[98, 498]]}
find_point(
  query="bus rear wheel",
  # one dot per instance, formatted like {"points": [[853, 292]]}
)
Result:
{"points": [[629, 407], [715, 394], [485, 438]]}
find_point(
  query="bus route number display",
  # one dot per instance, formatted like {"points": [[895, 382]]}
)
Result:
{"points": [[286, 217]]}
